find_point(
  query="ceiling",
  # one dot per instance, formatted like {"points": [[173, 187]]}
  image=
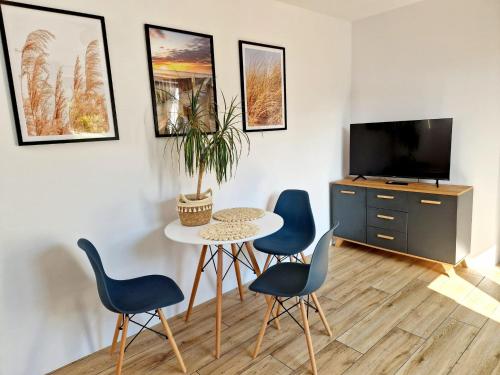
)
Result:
{"points": [[350, 9]]}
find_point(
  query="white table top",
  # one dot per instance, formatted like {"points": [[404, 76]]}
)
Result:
{"points": [[267, 224]]}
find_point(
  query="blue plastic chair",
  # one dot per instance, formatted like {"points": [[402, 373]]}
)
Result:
{"points": [[134, 296], [298, 230], [285, 281]]}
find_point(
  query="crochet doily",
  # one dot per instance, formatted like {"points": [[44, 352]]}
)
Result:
{"points": [[238, 214], [228, 231]]}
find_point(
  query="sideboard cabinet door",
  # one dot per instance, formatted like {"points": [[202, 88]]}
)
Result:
{"points": [[432, 222], [349, 209]]}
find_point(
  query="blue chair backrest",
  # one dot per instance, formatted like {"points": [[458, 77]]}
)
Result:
{"points": [[318, 268], [295, 209], [100, 275]]}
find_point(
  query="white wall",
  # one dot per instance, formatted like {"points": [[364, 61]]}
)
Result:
{"points": [[121, 194], [440, 58]]}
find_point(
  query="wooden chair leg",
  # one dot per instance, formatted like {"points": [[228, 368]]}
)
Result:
{"points": [[268, 262], [255, 265], [234, 250], [122, 346], [196, 281], [218, 308], [119, 321], [321, 314], [304, 259], [339, 242], [263, 327], [278, 310], [171, 340], [308, 337]]}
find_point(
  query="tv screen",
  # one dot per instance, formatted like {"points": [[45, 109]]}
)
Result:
{"points": [[411, 149]]}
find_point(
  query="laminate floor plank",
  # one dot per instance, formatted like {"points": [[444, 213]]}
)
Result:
{"points": [[482, 357], [379, 322], [441, 351], [387, 355], [429, 315]]}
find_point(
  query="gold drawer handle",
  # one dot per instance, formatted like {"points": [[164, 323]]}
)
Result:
{"points": [[350, 192], [380, 196], [385, 217], [426, 201], [385, 237]]}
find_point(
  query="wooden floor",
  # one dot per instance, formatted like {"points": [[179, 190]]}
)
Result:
{"points": [[389, 315]]}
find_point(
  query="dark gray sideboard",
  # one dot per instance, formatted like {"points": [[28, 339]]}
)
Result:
{"points": [[418, 219]]}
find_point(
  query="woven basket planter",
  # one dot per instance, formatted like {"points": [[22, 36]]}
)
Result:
{"points": [[194, 212]]}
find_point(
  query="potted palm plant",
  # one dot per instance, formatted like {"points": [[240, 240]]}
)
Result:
{"points": [[203, 152]]}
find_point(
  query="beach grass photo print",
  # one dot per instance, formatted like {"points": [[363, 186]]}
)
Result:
{"points": [[59, 76], [263, 86], [181, 64]]}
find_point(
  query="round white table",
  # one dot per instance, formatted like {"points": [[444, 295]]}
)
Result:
{"points": [[175, 231]]}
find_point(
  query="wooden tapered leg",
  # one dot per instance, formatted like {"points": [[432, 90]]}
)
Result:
{"points": [[268, 262], [464, 263], [119, 320], [304, 259], [308, 337], [321, 314], [218, 310], [449, 269], [339, 242], [196, 281], [234, 250], [278, 310], [263, 327], [171, 340], [251, 254], [122, 346], [255, 265]]}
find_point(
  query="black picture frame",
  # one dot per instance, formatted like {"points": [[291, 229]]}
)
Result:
{"points": [[246, 126], [147, 28], [12, 88]]}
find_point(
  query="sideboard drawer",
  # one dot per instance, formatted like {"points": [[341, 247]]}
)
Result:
{"points": [[386, 238], [349, 209], [388, 219], [390, 199]]}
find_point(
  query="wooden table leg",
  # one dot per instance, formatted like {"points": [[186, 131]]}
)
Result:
{"points": [[196, 281], [234, 250], [255, 265], [251, 254], [218, 311]]}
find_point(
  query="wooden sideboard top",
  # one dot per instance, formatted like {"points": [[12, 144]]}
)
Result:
{"points": [[415, 187]]}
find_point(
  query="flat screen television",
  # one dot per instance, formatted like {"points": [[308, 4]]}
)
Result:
{"points": [[409, 149]]}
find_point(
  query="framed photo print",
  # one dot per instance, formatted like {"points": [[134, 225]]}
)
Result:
{"points": [[181, 63], [59, 75], [263, 86]]}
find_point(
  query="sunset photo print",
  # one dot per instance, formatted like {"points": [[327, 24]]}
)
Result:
{"points": [[180, 63]]}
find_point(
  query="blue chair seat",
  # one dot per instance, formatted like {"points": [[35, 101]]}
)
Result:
{"points": [[284, 242], [146, 293], [282, 280]]}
